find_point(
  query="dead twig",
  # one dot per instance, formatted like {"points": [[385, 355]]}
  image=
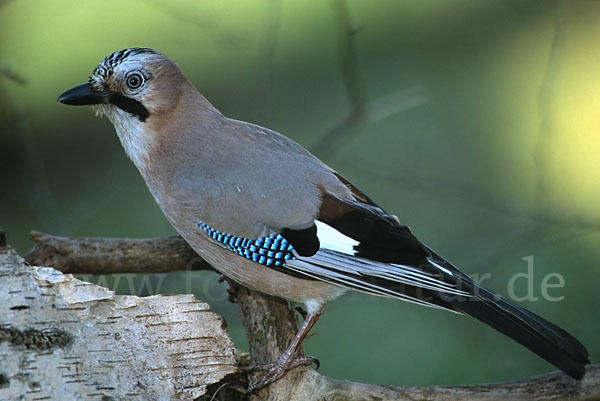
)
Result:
{"points": [[79, 255], [362, 111]]}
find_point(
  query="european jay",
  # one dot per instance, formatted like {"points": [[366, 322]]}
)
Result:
{"points": [[268, 214]]}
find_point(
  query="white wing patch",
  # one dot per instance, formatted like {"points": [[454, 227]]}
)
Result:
{"points": [[330, 238]]}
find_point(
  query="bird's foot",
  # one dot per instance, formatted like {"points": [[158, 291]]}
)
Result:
{"points": [[275, 371]]}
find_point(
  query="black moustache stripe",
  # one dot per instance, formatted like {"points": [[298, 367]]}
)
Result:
{"points": [[130, 105]]}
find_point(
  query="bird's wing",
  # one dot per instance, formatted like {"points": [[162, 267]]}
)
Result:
{"points": [[352, 242], [366, 249]]}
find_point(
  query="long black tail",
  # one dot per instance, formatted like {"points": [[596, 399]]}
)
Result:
{"points": [[539, 335], [381, 239]]}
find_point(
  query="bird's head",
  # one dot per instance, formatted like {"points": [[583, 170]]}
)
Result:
{"points": [[130, 86], [140, 90]]}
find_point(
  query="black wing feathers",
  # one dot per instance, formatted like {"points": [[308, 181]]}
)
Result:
{"points": [[305, 241], [380, 236]]}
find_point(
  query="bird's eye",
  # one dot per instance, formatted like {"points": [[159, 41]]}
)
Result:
{"points": [[134, 81]]}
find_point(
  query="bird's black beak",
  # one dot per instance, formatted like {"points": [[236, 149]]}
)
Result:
{"points": [[84, 94]]}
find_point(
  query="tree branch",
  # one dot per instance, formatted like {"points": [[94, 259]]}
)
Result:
{"points": [[362, 111], [271, 324], [81, 255]]}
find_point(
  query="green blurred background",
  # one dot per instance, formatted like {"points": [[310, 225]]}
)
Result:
{"points": [[476, 122]]}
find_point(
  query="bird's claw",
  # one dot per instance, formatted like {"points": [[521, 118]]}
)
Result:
{"points": [[275, 371]]}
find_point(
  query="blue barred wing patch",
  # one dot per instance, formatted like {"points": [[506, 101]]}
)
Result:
{"points": [[273, 250]]}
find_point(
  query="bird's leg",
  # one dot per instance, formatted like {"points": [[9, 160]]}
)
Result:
{"points": [[288, 359]]}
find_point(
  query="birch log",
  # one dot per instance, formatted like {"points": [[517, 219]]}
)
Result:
{"points": [[65, 339]]}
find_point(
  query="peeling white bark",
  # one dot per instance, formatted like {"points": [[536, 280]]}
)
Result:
{"points": [[65, 339]]}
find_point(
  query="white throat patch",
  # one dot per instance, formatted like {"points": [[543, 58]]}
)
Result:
{"points": [[131, 132]]}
